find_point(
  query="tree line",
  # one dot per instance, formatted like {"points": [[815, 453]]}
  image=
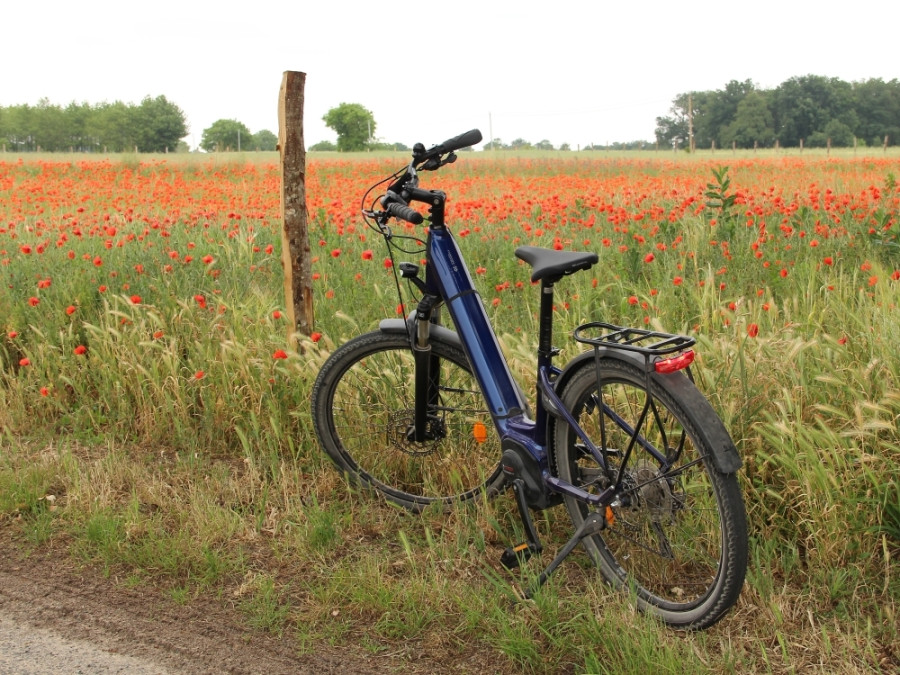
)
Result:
{"points": [[154, 125], [808, 111]]}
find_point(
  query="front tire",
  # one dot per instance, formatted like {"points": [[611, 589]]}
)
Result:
{"points": [[677, 535], [363, 410]]}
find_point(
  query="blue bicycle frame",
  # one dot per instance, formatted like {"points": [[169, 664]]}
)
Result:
{"points": [[447, 280]]}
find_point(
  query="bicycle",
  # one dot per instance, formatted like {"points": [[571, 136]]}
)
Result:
{"points": [[620, 435]]}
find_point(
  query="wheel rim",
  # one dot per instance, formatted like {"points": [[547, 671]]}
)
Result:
{"points": [[371, 415], [664, 540]]}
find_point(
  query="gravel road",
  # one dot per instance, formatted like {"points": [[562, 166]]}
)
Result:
{"points": [[58, 618], [26, 650]]}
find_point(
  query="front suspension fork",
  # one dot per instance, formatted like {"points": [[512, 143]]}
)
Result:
{"points": [[428, 372]]}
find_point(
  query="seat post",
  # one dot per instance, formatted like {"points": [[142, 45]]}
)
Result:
{"points": [[545, 323]]}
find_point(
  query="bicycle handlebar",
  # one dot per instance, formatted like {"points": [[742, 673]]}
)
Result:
{"points": [[464, 140], [396, 200], [404, 212]]}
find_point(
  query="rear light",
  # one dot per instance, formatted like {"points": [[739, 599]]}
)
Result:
{"points": [[683, 360]]}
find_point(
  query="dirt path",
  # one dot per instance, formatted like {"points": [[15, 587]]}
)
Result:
{"points": [[79, 614]]}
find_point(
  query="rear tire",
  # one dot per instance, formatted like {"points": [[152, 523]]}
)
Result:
{"points": [[677, 536], [363, 406]]}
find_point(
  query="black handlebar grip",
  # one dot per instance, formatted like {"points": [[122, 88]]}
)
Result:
{"points": [[462, 141], [406, 213]]}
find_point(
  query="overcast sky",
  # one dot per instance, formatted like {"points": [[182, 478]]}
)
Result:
{"points": [[565, 71]]}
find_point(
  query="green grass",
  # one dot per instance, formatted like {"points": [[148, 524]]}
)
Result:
{"points": [[215, 485]]}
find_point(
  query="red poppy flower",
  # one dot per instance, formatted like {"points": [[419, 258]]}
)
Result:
{"points": [[753, 330], [135, 299], [279, 354], [80, 349]]}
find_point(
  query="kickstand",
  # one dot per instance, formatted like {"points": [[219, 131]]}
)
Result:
{"points": [[592, 524]]}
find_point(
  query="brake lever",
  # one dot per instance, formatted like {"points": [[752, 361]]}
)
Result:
{"points": [[437, 162], [381, 218], [431, 165]]}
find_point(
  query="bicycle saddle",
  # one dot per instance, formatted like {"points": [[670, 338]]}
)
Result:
{"points": [[551, 265]]}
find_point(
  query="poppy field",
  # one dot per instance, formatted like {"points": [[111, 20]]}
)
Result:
{"points": [[142, 310]]}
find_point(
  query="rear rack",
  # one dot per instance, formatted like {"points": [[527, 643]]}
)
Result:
{"points": [[647, 342]]}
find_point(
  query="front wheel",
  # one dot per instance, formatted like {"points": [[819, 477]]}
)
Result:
{"points": [[676, 534], [363, 411]]}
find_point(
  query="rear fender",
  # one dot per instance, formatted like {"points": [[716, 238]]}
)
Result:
{"points": [[725, 455]]}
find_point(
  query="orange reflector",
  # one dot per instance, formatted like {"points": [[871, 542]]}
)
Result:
{"points": [[479, 431], [683, 360], [610, 516]]}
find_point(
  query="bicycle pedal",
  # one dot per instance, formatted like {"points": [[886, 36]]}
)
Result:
{"points": [[515, 555]]}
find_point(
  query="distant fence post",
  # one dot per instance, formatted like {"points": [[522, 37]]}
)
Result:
{"points": [[295, 253]]}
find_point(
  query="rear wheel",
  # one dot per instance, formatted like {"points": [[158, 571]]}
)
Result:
{"points": [[363, 412], [676, 535]]}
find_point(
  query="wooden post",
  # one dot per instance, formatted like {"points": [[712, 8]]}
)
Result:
{"points": [[295, 254]]}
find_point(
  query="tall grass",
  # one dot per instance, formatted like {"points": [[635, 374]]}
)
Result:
{"points": [[177, 445]]}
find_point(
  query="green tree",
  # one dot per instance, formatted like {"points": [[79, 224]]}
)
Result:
{"points": [[323, 146], [19, 127], [717, 110], [877, 105], [752, 124], [77, 116], [805, 105], [111, 124], [49, 128], [226, 135], [354, 125], [158, 125], [265, 140], [674, 129]]}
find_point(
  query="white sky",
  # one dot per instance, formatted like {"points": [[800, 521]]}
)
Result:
{"points": [[570, 71]]}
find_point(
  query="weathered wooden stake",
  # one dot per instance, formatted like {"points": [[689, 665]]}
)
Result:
{"points": [[295, 255]]}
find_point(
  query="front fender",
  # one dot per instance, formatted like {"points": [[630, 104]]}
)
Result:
{"points": [[408, 327]]}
